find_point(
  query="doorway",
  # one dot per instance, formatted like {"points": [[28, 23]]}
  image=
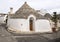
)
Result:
{"points": [[31, 21]]}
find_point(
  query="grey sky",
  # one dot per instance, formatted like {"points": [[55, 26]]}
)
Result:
{"points": [[36, 4]]}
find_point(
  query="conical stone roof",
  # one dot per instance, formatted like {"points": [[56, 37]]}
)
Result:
{"points": [[47, 15], [25, 11]]}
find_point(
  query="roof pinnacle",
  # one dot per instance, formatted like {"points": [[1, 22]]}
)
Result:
{"points": [[25, 2]]}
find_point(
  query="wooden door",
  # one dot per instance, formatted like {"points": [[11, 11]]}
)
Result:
{"points": [[31, 25]]}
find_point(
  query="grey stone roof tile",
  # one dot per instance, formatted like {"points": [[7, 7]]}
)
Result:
{"points": [[25, 11]]}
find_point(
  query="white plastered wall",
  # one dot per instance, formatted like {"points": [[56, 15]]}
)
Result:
{"points": [[2, 19], [42, 25], [39, 25], [18, 24]]}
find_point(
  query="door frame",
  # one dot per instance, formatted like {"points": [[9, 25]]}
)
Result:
{"points": [[32, 16], [31, 24]]}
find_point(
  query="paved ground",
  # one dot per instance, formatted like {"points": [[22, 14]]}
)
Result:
{"points": [[5, 36]]}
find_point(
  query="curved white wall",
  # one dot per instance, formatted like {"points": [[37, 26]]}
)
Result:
{"points": [[42, 26], [18, 24], [23, 25]]}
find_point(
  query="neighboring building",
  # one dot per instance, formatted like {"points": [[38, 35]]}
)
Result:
{"points": [[48, 16], [27, 19], [58, 16], [2, 17]]}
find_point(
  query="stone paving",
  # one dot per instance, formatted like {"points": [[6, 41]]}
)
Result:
{"points": [[5, 36]]}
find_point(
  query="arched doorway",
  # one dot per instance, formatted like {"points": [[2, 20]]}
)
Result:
{"points": [[31, 22]]}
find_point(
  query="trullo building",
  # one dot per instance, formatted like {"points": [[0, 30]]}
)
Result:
{"points": [[27, 19]]}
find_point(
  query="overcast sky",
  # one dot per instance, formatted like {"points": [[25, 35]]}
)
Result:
{"points": [[49, 5]]}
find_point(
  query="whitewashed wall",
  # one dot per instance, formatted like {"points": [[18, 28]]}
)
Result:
{"points": [[52, 23], [58, 23], [18, 24], [23, 25], [42, 26], [2, 19]]}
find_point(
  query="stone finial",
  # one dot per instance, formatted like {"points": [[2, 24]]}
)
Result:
{"points": [[11, 8], [25, 2]]}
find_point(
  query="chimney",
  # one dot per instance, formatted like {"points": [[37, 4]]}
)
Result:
{"points": [[54, 12], [11, 10]]}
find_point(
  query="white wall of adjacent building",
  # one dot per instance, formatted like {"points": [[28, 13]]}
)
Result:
{"points": [[2, 19], [52, 23], [58, 23]]}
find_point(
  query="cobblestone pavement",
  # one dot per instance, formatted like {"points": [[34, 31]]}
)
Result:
{"points": [[5, 36], [32, 39]]}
